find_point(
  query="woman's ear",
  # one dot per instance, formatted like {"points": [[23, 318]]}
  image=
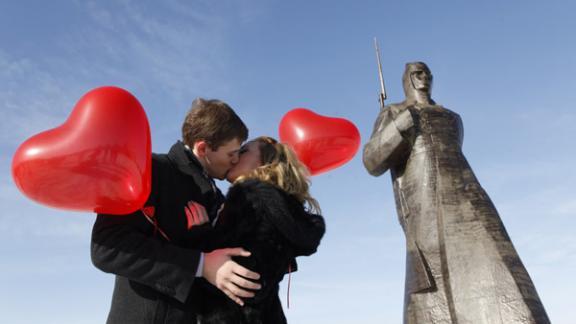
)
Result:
{"points": [[200, 148]]}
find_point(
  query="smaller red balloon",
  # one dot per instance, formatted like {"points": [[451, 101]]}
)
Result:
{"points": [[321, 143], [98, 160]]}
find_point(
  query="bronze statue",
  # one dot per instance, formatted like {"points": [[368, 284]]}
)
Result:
{"points": [[461, 266]]}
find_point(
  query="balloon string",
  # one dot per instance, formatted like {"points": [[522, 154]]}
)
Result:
{"points": [[288, 290], [154, 223]]}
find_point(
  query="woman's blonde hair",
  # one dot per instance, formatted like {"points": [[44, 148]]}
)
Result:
{"points": [[281, 168]]}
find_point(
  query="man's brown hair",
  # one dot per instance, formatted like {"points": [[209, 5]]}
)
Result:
{"points": [[214, 122]]}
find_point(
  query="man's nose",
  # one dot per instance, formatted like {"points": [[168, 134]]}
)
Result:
{"points": [[235, 158]]}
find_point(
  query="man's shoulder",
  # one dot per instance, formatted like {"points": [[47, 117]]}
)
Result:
{"points": [[160, 157], [161, 161]]}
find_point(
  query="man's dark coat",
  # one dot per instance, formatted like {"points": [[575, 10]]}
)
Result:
{"points": [[153, 276]]}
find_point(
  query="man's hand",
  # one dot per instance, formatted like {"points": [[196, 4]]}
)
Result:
{"points": [[228, 276]]}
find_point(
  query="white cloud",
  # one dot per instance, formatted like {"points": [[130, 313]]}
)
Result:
{"points": [[168, 60], [31, 99], [566, 207], [165, 62], [552, 118], [179, 55], [23, 219]]}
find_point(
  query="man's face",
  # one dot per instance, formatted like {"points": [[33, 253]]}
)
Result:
{"points": [[217, 163], [421, 79]]}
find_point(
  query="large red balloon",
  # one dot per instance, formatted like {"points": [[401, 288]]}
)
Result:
{"points": [[98, 160], [321, 143]]}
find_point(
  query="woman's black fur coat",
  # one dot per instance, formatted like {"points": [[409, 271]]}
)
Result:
{"points": [[275, 228]]}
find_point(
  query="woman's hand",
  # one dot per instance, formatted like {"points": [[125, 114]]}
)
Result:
{"points": [[195, 214]]}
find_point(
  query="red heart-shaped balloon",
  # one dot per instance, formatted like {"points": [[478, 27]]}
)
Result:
{"points": [[321, 143], [98, 160]]}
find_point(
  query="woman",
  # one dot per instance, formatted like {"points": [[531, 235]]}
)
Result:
{"points": [[268, 211]]}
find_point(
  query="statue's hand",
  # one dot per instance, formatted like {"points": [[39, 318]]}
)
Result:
{"points": [[404, 121]]}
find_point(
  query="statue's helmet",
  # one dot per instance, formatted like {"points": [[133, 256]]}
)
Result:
{"points": [[408, 81]]}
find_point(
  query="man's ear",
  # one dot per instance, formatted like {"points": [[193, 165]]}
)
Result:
{"points": [[200, 148]]}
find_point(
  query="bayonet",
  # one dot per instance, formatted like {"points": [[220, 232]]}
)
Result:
{"points": [[382, 95]]}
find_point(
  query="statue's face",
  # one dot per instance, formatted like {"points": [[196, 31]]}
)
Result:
{"points": [[421, 79]]}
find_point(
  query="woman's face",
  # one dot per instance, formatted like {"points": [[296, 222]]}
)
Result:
{"points": [[249, 160]]}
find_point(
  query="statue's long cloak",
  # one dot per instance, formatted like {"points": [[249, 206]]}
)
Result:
{"points": [[461, 266]]}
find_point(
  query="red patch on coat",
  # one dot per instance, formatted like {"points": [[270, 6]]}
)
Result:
{"points": [[149, 211], [194, 212]]}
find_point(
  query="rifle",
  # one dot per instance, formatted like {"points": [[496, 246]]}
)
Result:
{"points": [[382, 95]]}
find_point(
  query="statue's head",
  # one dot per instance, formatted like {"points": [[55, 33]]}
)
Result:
{"points": [[417, 77]]}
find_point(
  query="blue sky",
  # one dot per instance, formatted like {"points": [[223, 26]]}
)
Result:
{"points": [[507, 67]]}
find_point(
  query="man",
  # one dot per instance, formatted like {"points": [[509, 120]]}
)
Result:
{"points": [[461, 266], [151, 251]]}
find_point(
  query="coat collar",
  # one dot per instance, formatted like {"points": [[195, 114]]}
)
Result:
{"points": [[185, 160], [187, 163]]}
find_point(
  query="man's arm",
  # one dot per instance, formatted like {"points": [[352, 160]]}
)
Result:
{"points": [[217, 267], [122, 245], [228, 276]]}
